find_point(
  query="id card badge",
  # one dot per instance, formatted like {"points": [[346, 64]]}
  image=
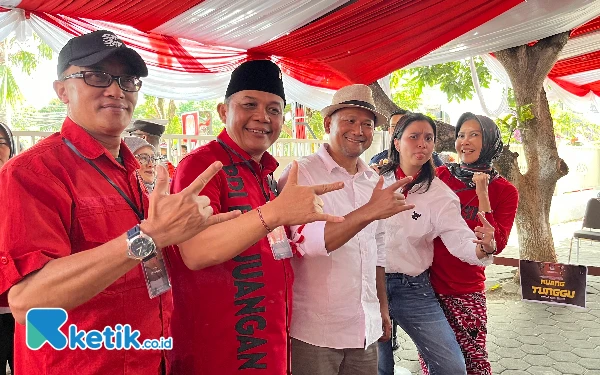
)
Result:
{"points": [[280, 244], [156, 275]]}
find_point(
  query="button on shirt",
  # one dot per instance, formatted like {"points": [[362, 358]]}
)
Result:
{"points": [[55, 205], [409, 234], [335, 295]]}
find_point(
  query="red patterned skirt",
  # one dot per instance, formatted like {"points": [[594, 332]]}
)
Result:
{"points": [[467, 315]]}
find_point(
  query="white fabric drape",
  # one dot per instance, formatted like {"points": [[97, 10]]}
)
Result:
{"points": [[526, 22], [588, 105], [245, 24], [9, 22]]}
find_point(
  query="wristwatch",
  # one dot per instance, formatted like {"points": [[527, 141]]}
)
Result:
{"points": [[140, 246]]}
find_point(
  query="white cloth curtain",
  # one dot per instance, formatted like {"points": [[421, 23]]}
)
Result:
{"points": [[245, 24], [526, 22], [588, 105]]}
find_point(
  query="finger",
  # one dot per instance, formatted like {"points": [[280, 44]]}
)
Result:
{"points": [[200, 182], [202, 201], [326, 188], [329, 218], [400, 183], [293, 175], [161, 186], [406, 207], [484, 220], [379, 184], [219, 218]]}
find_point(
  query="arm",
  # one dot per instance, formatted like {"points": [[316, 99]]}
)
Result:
{"points": [[295, 205], [61, 279], [502, 215], [72, 280], [323, 238], [458, 238], [383, 304]]}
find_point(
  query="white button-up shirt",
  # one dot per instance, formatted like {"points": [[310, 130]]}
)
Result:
{"points": [[409, 234], [335, 302]]}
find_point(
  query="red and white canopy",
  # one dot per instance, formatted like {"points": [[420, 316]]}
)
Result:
{"points": [[191, 46]]}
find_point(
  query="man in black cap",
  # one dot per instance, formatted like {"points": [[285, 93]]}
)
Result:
{"points": [[235, 315], [75, 238], [148, 130]]}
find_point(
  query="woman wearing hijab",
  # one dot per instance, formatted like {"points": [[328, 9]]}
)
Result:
{"points": [[409, 239], [460, 287], [7, 322]]}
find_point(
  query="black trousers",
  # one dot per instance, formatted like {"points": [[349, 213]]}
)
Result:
{"points": [[7, 333]]}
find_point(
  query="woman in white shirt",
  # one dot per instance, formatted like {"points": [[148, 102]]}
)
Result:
{"points": [[409, 248]]}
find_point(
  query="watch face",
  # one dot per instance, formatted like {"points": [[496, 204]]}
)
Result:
{"points": [[141, 247]]}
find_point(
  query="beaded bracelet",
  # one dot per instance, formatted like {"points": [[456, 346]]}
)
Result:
{"points": [[262, 220]]}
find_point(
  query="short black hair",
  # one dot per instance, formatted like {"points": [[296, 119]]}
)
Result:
{"points": [[400, 112]]}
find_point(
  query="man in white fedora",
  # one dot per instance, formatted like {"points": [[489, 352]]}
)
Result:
{"points": [[339, 297]]}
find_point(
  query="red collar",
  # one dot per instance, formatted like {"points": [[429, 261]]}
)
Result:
{"points": [[400, 175], [92, 149]]}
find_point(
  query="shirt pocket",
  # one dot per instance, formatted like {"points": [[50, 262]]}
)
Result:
{"points": [[100, 220]]}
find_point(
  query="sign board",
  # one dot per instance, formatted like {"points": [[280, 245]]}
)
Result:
{"points": [[555, 283]]}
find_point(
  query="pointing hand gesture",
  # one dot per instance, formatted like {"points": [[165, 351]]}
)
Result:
{"points": [[298, 204], [485, 234], [388, 202], [173, 219]]}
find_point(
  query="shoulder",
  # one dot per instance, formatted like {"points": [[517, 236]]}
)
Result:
{"points": [[440, 191], [503, 188], [442, 172]]}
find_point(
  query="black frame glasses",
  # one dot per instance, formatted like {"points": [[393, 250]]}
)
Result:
{"points": [[145, 159], [96, 78]]}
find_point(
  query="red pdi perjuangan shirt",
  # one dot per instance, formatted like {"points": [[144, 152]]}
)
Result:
{"points": [[233, 317], [55, 204], [448, 274]]}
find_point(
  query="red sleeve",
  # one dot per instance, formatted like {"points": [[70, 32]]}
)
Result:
{"points": [[190, 168], [35, 222], [504, 200]]}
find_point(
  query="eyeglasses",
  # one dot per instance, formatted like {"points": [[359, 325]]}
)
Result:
{"points": [[146, 159], [102, 79]]}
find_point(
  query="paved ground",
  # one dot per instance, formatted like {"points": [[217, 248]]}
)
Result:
{"points": [[531, 338]]}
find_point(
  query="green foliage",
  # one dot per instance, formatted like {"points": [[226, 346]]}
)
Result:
{"points": [[513, 123], [315, 121], [573, 127], [10, 93], [454, 79]]}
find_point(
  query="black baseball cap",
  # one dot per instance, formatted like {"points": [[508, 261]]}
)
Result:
{"points": [[90, 49]]}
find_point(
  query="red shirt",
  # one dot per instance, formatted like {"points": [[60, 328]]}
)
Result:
{"points": [[450, 275], [55, 205], [233, 316]]}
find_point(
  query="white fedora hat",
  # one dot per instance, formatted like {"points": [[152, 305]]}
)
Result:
{"points": [[354, 96]]}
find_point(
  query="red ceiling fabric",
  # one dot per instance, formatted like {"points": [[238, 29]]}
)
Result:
{"points": [[578, 90], [144, 15], [371, 38], [577, 64], [163, 51], [593, 25]]}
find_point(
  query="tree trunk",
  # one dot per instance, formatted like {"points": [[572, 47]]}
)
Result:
{"points": [[385, 105], [527, 67]]}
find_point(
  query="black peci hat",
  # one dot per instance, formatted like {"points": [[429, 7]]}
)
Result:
{"points": [[147, 127], [260, 75], [90, 49]]}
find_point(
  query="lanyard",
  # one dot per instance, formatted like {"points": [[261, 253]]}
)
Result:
{"points": [[138, 213], [229, 150]]}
